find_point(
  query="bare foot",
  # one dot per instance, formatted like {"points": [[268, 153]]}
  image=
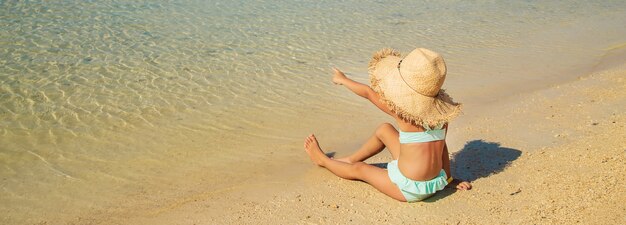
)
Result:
{"points": [[338, 77], [312, 147]]}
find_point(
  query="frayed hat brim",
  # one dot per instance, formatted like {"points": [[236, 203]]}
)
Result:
{"points": [[410, 106]]}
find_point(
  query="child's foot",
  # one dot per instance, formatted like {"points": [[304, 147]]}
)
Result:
{"points": [[313, 149]]}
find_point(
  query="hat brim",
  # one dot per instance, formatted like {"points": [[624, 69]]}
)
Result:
{"points": [[409, 105]]}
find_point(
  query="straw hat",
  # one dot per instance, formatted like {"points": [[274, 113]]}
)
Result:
{"points": [[411, 86]]}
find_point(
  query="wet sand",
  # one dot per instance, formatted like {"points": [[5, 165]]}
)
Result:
{"points": [[551, 156]]}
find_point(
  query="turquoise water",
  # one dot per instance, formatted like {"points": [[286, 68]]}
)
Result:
{"points": [[104, 100]]}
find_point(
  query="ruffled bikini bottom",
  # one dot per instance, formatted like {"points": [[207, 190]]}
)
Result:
{"points": [[414, 190]]}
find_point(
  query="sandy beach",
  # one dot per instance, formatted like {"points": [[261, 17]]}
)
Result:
{"points": [[552, 156]]}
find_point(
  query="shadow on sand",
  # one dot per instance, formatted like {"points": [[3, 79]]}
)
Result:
{"points": [[478, 159]]}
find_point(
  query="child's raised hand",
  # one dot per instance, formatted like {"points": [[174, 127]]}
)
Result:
{"points": [[338, 77]]}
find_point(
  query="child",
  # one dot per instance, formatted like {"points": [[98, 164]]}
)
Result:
{"points": [[409, 90]]}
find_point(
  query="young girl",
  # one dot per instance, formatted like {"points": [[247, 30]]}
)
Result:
{"points": [[409, 90]]}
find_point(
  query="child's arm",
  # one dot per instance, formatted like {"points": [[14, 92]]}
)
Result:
{"points": [[361, 90], [445, 158], [461, 185]]}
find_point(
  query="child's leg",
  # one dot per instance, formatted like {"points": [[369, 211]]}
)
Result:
{"points": [[385, 136], [373, 175]]}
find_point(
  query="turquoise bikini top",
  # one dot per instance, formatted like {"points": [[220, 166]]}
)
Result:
{"points": [[437, 134]]}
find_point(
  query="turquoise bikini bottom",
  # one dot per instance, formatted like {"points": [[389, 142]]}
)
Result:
{"points": [[414, 190]]}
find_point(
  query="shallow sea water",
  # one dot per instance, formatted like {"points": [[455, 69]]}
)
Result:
{"points": [[109, 105]]}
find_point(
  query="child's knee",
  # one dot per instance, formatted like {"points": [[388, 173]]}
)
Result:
{"points": [[385, 127], [359, 167]]}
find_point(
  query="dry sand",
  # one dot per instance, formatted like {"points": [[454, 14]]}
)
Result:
{"points": [[552, 156]]}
